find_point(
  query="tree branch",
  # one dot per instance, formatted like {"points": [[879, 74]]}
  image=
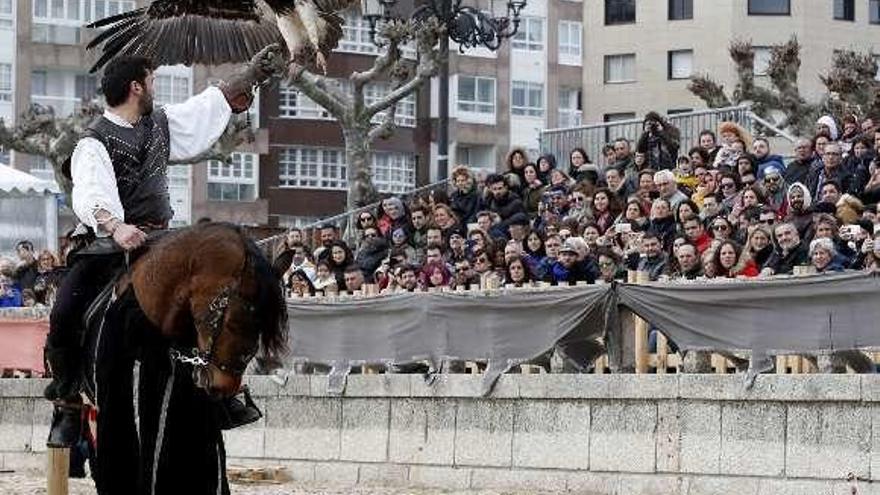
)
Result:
{"points": [[317, 88], [386, 128], [396, 32], [427, 34]]}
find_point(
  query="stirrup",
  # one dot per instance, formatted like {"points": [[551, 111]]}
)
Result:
{"points": [[66, 427], [238, 410]]}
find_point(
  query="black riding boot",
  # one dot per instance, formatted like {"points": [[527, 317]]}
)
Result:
{"points": [[64, 392]]}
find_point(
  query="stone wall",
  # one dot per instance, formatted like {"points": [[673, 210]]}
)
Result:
{"points": [[591, 434]]}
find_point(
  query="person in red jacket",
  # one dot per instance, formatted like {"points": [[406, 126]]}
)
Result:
{"points": [[696, 234]]}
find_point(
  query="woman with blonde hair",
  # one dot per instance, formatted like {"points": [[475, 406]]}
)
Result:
{"points": [[759, 244]]}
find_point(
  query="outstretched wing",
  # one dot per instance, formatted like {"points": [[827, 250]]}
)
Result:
{"points": [[187, 32]]}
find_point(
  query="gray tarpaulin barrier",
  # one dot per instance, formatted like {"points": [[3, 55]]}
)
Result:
{"points": [[506, 328], [765, 316]]}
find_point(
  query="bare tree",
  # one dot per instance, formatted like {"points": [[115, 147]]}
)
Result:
{"points": [[355, 116], [40, 133], [850, 83]]}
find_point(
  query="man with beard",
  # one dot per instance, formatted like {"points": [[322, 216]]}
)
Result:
{"points": [[328, 234], [465, 276], [120, 192], [789, 252], [774, 186], [503, 201], [799, 212], [652, 258], [419, 219]]}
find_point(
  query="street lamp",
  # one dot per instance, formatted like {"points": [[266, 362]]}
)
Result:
{"points": [[469, 27]]}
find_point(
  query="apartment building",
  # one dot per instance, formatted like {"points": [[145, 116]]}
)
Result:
{"points": [[640, 54], [502, 99]]}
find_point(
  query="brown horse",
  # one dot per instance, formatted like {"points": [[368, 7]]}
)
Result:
{"points": [[193, 310]]}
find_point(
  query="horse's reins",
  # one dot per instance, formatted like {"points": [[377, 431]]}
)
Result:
{"points": [[213, 318]]}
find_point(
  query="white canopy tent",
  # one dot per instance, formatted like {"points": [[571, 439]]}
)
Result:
{"points": [[28, 210]]}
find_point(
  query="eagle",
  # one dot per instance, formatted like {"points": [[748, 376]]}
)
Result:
{"points": [[214, 32]]}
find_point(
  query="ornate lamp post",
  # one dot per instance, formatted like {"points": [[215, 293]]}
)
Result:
{"points": [[465, 25]]}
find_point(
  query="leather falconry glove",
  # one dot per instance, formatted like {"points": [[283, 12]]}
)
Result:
{"points": [[239, 88]]}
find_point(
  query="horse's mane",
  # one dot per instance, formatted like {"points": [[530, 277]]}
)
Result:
{"points": [[271, 317]]}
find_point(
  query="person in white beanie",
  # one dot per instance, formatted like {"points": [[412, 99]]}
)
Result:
{"points": [[827, 124]]}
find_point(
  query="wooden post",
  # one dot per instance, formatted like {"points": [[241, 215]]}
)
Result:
{"points": [[641, 326], [719, 363], [662, 353], [57, 471]]}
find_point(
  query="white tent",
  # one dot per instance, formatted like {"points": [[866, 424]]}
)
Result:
{"points": [[28, 210]]}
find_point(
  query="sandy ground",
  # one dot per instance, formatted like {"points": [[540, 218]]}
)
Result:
{"points": [[32, 484]]}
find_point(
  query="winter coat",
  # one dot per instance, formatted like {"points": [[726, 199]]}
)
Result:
{"points": [[466, 205]]}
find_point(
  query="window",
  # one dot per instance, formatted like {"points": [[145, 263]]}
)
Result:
{"points": [[394, 172], [316, 168], [874, 11], [569, 107], [171, 89], [86, 87], [570, 35], [762, 60], [39, 82], [620, 12], [100, 10], [234, 181], [681, 10], [356, 34], [293, 104], [617, 117], [476, 94], [5, 82], [406, 108], [674, 111], [681, 64], [527, 99], [620, 68], [769, 7], [530, 35], [845, 10], [5, 14], [612, 132]]}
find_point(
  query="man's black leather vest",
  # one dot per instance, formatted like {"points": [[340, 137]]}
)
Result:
{"points": [[140, 160]]}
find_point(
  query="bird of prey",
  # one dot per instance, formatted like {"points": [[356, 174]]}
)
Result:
{"points": [[215, 32]]}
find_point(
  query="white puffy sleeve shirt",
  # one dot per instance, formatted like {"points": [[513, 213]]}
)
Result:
{"points": [[193, 127]]}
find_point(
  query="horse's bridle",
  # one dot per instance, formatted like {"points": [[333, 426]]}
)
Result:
{"points": [[213, 319]]}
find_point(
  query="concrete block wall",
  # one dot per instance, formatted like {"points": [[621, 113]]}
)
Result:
{"points": [[591, 434]]}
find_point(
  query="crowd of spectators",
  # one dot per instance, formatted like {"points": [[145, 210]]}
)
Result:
{"points": [[31, 279], [727, 208]]}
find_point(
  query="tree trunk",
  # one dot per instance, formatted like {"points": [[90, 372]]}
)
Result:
{"points": [[358, 153]]}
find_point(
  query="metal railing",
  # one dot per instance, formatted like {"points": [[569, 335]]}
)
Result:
{"points": [[592, 137]]}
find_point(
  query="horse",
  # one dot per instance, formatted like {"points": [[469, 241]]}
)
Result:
{"points": [[193, 310]]}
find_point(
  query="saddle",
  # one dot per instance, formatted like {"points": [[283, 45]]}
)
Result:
{"points": [[112, 308]]}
